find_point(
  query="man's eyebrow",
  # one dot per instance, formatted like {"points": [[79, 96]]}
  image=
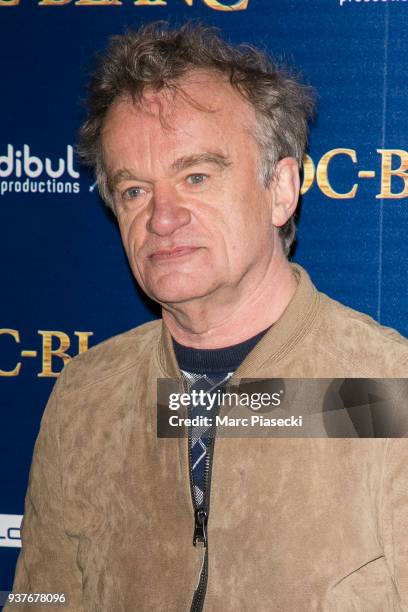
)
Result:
{"points": [[182, 163], [218, 159], [119, 176]]}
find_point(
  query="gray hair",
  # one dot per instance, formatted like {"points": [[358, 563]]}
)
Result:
{"points": [[157, 56]]}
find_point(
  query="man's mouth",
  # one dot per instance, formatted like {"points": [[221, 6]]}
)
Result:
{"points": [[170, 254]]}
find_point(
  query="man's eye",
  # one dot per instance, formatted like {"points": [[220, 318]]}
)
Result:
{"points": [[196, 179], [132, 193]]}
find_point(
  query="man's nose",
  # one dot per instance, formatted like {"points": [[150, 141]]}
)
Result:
{"points": [[168, 212]]}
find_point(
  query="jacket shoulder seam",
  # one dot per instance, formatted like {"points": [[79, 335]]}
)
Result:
{"points": [[341, 355], [96, 381], [61, 392]]}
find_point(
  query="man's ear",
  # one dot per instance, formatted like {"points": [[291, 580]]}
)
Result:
{"points": [[286, 187]]}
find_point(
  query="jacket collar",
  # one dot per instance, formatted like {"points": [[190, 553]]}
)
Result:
{"points": [[284, 335]]}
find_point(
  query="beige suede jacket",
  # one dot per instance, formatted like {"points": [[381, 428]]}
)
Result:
{"points": [[296, 525]]}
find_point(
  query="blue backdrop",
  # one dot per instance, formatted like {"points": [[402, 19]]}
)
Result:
{"points": [[65, 281]]}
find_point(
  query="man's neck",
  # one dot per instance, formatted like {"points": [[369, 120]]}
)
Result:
{"points": [[207, 325]]}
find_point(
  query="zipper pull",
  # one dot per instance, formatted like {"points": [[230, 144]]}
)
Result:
{"points": [[200, 527]]}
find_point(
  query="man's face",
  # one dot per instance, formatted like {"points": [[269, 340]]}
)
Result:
{"points": [[194, 217]]}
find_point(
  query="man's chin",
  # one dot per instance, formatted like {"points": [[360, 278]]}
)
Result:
{"points": [[173, 293], [174, 297]]}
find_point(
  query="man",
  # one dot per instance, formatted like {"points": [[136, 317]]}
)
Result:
{"points": [[197, 147]]}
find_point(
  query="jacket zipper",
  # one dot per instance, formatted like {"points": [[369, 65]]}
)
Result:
{"points": [[201, 513]]}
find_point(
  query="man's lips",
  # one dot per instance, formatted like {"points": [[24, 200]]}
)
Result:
{"points": [[174, 253]]}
